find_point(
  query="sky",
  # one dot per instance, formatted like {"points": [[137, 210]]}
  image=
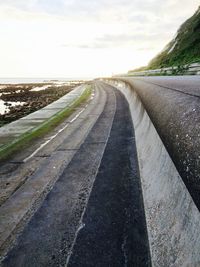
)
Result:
{"points": [[85, 38]]}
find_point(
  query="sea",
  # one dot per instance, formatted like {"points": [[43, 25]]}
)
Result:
{"points": [[42, 80]]}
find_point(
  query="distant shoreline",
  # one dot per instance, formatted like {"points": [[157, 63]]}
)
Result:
{"points": [[41, 80]]}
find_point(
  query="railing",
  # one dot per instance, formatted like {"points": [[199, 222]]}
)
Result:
{"points": [[192, 69]]}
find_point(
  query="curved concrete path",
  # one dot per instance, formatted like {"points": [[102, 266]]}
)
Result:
{"points": [[82, 206], [103, 192]]}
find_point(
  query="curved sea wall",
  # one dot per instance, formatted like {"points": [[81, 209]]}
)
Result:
{"points": [[173, 220]]}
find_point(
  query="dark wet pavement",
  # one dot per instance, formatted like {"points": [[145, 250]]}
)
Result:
{"points": [[103, 227]]}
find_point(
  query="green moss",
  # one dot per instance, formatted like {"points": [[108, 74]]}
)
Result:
{"points": [[187, 48], [24, 140]]}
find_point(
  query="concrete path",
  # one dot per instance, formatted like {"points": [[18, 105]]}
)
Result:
{"points": [[103, 191], [114, 228], [25, 183], [78, 187]]}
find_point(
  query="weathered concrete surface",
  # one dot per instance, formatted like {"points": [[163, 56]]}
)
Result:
{"points": [[173, 104], [79, 188], [173, 220], [114, 228], [59, 217], [22, 188], [12, 131], [50, 237]]}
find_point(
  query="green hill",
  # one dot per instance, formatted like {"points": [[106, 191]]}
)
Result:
{"points": [[184, 48]]}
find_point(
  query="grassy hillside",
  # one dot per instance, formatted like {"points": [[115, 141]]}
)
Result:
{"points": [[184, 48]]}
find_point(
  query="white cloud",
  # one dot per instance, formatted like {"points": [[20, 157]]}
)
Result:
{"points": [[54, 36]]}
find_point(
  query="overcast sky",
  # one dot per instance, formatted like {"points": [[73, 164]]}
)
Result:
{"points": [[85, 38]]}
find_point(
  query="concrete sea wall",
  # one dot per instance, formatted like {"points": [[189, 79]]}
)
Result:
{"points": [[173, 220]]}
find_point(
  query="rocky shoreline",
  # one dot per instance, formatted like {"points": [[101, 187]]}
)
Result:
{"points": [[22, 99]]}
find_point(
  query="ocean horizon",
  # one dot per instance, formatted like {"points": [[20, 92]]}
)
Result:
{"points": [[41, 80]]}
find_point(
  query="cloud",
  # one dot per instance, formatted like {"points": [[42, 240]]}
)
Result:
{"points": [[137, 41], [97, 7], [139, 28], [118, 23]]}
